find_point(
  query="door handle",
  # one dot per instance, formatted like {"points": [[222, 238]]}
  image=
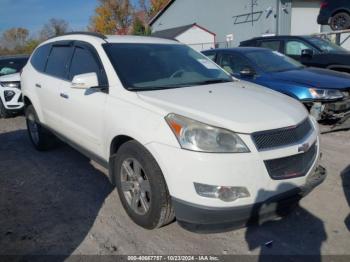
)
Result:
{"points": [[38, 85], [64, 96]]}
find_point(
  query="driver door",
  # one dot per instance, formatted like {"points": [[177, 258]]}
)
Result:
{"points": [[82, 110]]}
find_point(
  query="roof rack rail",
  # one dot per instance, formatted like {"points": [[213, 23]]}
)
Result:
{"points": [[87, 33]]}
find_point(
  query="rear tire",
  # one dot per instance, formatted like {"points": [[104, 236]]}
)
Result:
{"points": [[41, 138], [340, 21], [3, 111], [141, 187]]}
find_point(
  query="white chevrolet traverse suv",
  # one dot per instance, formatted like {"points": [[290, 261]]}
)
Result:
{"points": [[179, 136]]}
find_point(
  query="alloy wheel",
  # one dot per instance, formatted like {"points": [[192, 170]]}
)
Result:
{"points": [[135, 186]]}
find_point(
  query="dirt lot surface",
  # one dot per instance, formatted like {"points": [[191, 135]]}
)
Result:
{"points": [[59, 202]]}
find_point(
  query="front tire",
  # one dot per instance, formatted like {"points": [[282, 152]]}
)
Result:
{"points": [[141, 187], [3, 112], [340, 21], [41, 138]]}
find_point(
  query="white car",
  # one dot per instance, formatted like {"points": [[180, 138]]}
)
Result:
{"points": [[11, 100], [179, 136]]}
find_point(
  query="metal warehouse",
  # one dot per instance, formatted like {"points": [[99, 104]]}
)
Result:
{"points": [[232, 21]]}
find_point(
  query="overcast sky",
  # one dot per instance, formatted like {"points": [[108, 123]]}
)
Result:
{"points": [[32, 14]]}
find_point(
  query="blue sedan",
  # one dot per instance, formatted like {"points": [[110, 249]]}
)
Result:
{"points": [[325, 93]]}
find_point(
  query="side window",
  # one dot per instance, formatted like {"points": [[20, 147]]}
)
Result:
{"points": [[273, 45], [39, 57], [233, 63], [59, 59], [296, 47], [210, 55], [83, 62]]}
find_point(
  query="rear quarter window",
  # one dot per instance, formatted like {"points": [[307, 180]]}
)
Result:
{"points": [[39, 57], [273, 45]]}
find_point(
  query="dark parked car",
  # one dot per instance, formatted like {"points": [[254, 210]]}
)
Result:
{"points": [[335, 13], [324, 92], [309, 50]]}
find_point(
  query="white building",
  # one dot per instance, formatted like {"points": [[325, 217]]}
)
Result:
{"points": [[233, 21]]}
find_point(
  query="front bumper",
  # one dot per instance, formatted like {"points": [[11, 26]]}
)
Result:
{"points": [[182, 168], [329, 110], [323, 19], [275, 206]]}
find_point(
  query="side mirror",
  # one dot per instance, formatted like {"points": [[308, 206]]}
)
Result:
{"points": [[247, 72], [307, 53], [85, 81]]}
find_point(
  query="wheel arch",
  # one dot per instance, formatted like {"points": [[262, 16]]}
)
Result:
{"points": [[339, 68], [115, 145], [341, 10], [27, 101]]}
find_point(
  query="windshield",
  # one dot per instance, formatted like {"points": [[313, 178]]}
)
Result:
{"points": [[144, 67], [12, 66], [326, 46], [272, 61]]}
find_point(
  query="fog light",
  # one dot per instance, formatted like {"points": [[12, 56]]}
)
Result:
{"points": [[224, 193], [9, 95]]}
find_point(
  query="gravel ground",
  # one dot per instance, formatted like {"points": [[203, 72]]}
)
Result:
{"points": [[59, 202]]}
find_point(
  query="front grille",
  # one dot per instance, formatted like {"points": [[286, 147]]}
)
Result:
{"points": [[282, 137], [292, 166], [346, 93]]}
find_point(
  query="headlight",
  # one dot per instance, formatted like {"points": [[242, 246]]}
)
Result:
{"points": [[326, 94], [196, 136], [11, 84]]}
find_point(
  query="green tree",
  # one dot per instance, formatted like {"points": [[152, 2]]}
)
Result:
{"points": [[139, 28]]}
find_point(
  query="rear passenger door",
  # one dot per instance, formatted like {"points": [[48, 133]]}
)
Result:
{"points": [[82, 110], [275, 45], [55, 76]]}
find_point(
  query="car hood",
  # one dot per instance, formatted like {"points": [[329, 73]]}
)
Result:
{"points": [[315, 77], [239, 106], [11, 78]]}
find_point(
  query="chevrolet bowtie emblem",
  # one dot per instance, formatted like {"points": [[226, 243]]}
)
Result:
{"points": [[304, 148]]}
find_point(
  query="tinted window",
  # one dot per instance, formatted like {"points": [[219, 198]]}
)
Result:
{"points": [[272, 61], [326, 46], [210, 55], [40, 56], [83, 62], [296, 48], [273, 45], [11, 66], [162, 66], [233, 63], [58, 61]]}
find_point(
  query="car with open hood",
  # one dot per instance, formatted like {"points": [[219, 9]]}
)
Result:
{"points": [[325, 93]]}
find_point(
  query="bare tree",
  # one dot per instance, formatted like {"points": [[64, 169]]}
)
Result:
{"points": [[14, 37], [55, 27]]}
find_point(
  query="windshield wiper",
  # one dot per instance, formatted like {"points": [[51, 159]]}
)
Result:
{"points": [[139, 89], [213, 81]]}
